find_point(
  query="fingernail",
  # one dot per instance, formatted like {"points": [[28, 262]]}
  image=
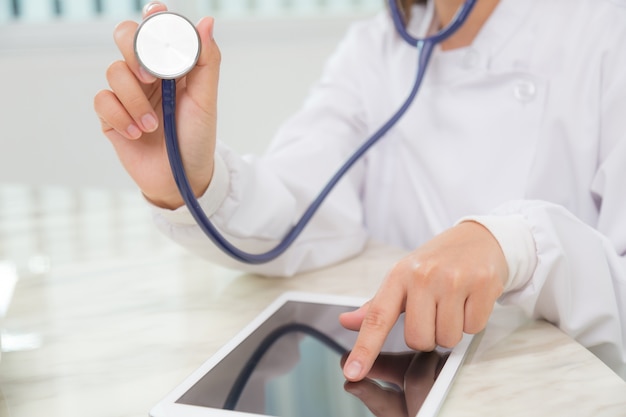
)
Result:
{"points": [[146, 76], [354, 390], [149, 122], [352, 370], [149, 7], [133, 132], [211, 23]]}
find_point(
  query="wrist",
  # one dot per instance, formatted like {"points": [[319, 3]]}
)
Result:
{"points": [[515, 238], [169, 202]]}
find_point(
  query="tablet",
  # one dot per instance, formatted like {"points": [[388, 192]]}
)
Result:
{"points": [[288, 363]]}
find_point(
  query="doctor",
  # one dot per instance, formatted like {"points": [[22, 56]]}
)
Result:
{"points": [[506, 178]]}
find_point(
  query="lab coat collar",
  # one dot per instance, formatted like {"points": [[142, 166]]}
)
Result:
{"points": [[508, 16], [503, 24]]}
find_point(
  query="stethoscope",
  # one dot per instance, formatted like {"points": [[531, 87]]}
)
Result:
{"points": [[167, 45]]}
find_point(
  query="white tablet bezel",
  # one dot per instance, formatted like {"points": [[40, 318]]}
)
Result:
{"points": [[168, 407]]}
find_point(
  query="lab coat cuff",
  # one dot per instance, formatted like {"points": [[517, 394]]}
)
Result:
{"points": [[514, 236], [210, 201]]}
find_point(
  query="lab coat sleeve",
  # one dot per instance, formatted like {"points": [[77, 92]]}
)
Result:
{"points": [[513, 234], [579, 282], [256, 200]]}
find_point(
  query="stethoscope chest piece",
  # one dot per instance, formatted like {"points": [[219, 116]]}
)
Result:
{"points": [[167, 45]]}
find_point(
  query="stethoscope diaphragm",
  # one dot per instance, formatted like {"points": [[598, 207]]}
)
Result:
{"points": [[167, 45]]}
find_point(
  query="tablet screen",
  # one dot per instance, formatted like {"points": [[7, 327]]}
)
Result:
{"points": [[290, 366]]}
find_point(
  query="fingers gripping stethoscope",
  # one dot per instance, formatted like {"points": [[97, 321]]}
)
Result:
{"points": [[168, 46]]}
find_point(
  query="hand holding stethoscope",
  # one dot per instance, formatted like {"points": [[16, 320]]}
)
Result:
{"points": [[132, 109], [168, 47], [461, 253]]}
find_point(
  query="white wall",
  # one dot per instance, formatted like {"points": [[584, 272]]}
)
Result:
{"points": [[50, 73]]}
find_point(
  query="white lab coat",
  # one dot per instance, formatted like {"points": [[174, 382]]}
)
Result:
{"points": [[526, 129]]}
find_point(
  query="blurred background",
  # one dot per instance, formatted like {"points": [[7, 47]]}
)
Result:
{"points": [[54, 54]]}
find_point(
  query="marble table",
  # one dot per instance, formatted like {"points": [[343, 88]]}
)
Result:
{"points": [[107, 316]]}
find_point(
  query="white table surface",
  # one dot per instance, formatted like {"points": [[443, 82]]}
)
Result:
{"points": [[108, 316]]}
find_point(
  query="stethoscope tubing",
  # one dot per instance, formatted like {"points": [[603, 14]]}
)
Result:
{"points": [[457, 21], [425, 48]]}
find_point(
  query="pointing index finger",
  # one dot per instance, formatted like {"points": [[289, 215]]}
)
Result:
{"points": [[382, 314]]}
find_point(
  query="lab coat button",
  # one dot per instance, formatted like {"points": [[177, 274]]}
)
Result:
{"points": [[524, 90]]}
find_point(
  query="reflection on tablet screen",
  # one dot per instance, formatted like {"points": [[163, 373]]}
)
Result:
{"points": [[291, 367]]}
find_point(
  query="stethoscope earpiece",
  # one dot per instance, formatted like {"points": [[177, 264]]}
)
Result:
{"points": [[167, 45]]}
